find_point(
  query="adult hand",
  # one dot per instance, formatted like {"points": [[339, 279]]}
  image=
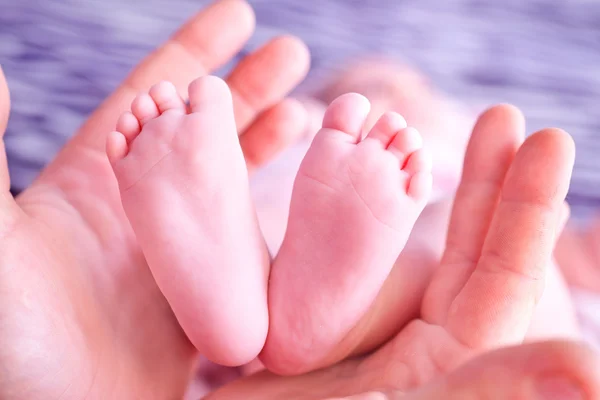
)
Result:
{"points": [[80, 314], [501, 236], [534, 371]]}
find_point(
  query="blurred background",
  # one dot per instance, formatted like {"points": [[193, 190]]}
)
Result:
{"points": [[62, 57]]}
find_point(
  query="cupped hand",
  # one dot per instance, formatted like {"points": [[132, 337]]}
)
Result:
{"points": [[534, 371], [501, 236], [80, 314]]}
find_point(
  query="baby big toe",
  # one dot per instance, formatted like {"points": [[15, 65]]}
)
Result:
{"points": [[209, 93], [347, 114]]}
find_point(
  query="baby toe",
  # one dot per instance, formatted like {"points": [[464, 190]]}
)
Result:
{"points": [[211, 110], [166, 98], [386, 127], [419, 186], [418, 161], [209, 92], [347, 114], [405, 142], [128, 125], [116, 147], [418, 167], [144, 108]]}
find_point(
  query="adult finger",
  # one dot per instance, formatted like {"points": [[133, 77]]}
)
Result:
{"points": [[531, 371], [496, 304], [265, 77], [205, 42], [201, 45], [564, 218], [8, 206], [4, 112], [267, 124], [329, 382], [546, 370], [273, 131], [4, 103], [492, 147]]}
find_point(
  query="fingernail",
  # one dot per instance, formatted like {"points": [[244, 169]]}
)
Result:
{"points": [[557, 387]]}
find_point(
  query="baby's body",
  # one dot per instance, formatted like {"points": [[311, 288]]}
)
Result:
{"points": [[185, 190], [445, 136]]}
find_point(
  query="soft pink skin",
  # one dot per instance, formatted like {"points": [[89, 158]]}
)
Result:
{"points": [[406, 93], [353, 206], [185, 173], [81, 316], [184, 188], [483, 294]]}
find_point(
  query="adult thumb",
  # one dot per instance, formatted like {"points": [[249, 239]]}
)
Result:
{"points": [[535, 371]]}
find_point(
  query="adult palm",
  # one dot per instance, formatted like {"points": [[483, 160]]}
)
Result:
{"points": [[500, 240], [80, 314]]}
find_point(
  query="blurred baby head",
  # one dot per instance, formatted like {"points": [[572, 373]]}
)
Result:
{"points": [[444, 124]]}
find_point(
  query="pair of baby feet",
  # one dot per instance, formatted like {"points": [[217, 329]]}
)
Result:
{"points": [[184, 188]]}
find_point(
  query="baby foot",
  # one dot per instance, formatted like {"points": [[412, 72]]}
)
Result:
{"points": [[354, 204], [184, 188], [444, 123]]}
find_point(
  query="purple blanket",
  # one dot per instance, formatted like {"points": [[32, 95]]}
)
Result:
{"points": [[62, 57]]}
